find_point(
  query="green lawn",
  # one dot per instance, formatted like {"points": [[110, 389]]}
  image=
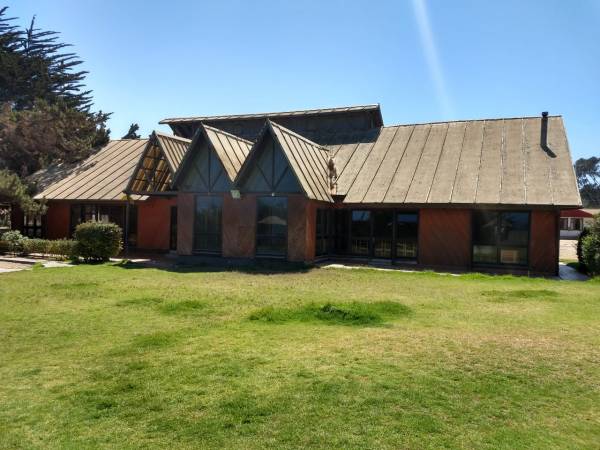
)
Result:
{"points": [[127, 357]]}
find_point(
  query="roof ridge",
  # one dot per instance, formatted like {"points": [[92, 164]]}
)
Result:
{"points": [[467, 120], [370, 106], [228, 134], [299, 136], [172, 136]]}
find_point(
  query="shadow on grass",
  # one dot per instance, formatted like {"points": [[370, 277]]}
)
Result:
{"points": [[357, 314], [259, 267]]}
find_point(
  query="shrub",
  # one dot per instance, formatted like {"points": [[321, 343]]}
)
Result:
{"points": [[97, 241], [14, 241], [35, 246], [590, 247], [64, 248], [581, 266]]}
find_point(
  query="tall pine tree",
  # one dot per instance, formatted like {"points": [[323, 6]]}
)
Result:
{"points": [[45, 109]]}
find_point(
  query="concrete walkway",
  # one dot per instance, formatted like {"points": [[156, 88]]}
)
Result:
{"points": [[569, 274], [16, 263]]}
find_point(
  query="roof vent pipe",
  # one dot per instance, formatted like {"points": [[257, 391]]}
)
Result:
{"points": [[544, 135]]}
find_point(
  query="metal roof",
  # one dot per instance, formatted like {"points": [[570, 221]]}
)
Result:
{"points": [[271, 115], [173, 147], [483, 162], [102, 176], [308, 160], [231, 150]]}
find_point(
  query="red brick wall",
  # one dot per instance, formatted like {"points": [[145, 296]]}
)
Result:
{"points": [[445, 237], [57, 220], [543, 242], [185, 223], [154, 223], [239, 225]]}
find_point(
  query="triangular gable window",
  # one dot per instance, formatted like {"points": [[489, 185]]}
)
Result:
{"points": [[270, 171], [205, 172], [153, 173]]}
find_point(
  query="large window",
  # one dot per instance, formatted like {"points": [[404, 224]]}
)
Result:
{"points": [[383, 232], [207, 224], [32, 226], [324, 232], [91, 212], [407, 229], [360, 232], [341, 231], [500, 237], [271, 226]]}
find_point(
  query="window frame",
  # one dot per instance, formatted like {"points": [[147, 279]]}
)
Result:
{"points": [[497, 241], [257, 235], [195, 234]]}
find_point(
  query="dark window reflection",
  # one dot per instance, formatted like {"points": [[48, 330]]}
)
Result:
{"points": [[207, 224], [271, 226]]}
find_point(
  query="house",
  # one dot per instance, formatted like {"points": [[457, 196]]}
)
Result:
{"points": [[572, 222], [333, 183]]}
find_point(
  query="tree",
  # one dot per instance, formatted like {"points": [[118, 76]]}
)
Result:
{"points": [[32, 139], [13, 190], [587, 171], [132, 133], [45, 110]]}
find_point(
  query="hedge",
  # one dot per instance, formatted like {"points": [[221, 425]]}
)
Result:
{"points": [[97, 241]]}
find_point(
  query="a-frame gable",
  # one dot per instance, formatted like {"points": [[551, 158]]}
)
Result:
{"points": [[282, 161], [267, 169], [156, 166], [212, 162]]}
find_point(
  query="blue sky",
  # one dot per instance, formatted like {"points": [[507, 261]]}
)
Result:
{"points": [[422, 60]]}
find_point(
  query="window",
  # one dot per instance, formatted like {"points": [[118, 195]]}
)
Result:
{"points": [[32, 226], [360, 232], [383, 230], [271, 226], [564, 223], [407, 229], [97, 213], [341, 231], [324, 232], [207, 224], [500, 237]]}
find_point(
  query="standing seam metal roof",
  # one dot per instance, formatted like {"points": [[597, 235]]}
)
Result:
{"points": [[103, 176], [309, 161], [484, 162], [231, 150], [305, 112]]}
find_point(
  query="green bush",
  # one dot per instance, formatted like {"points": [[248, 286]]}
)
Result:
{"points": [[590, 247], [581, 267], [97, 241], [14, 241], [35, 246], [62, 247]]}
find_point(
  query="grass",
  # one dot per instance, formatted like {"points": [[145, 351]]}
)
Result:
{"points": [[111, 356]]}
